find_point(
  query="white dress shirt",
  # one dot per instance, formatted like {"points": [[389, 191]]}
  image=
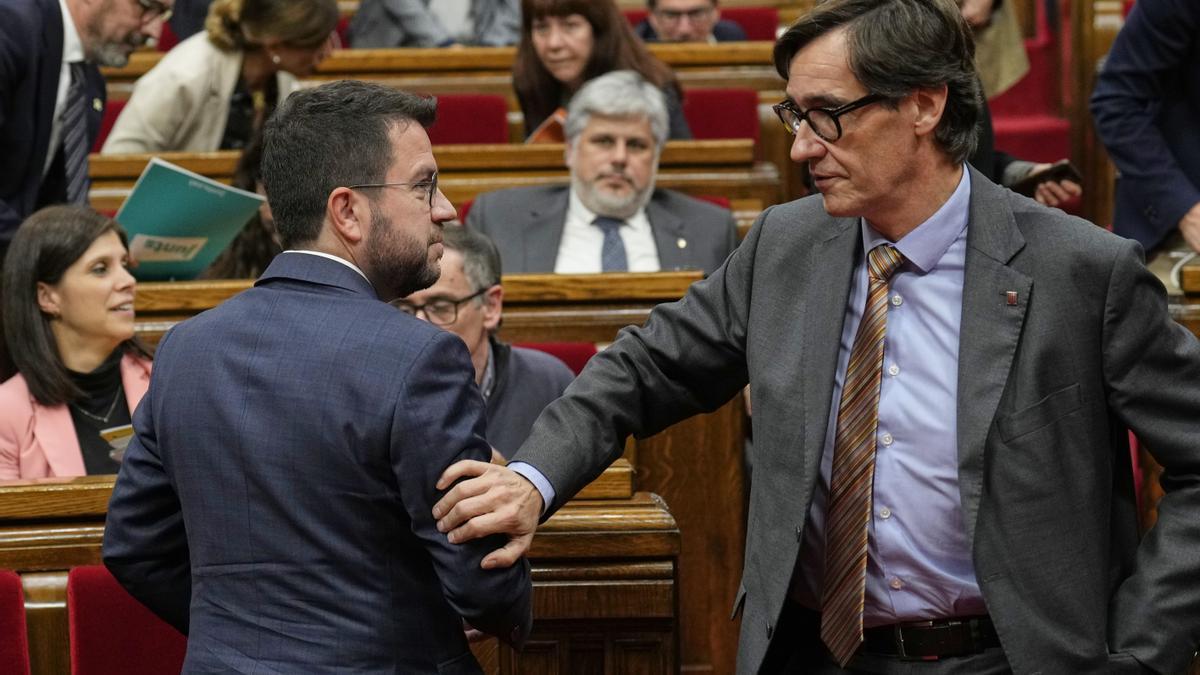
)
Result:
{"points": [[582, 242], [72, 52]]}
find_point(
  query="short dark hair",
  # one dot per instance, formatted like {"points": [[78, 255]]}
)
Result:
{"points": [[481, 259], [898, 46], [333, 135], [46, 244]]}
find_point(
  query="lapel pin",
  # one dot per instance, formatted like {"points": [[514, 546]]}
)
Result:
{"points": [[681, 242], [97, 105], [1010, 297]]}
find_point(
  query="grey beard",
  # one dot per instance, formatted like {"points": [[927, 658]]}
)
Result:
{"points": [[110, 54], [603, 204]]}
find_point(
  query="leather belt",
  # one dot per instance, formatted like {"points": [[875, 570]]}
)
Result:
{"points": [[931, 640]]}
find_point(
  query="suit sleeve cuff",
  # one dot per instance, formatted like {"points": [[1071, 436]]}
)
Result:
{"points": [[539, 481]]}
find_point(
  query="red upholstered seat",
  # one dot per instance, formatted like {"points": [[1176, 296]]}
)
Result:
{"points": [[470, 118], [635, 16], [760, 23], [14, 645], [722, 113], [112, 110], [166, 39], [113, 634], [574, 354]]}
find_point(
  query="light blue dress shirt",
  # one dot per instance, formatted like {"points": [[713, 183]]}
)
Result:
{"points": [[919, 560]]}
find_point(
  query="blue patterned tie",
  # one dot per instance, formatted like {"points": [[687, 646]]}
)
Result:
{"points": [[75, 145], [612, 255]]}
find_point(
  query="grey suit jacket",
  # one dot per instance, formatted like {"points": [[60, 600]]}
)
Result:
{"points": [[1046, 390], [527, 225], [276, 501]]}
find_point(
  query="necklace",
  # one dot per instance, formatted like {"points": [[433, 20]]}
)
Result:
{"points": [[111, 408]]}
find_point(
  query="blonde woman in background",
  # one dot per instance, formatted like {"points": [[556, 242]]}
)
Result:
{"points": [[214, 89]]}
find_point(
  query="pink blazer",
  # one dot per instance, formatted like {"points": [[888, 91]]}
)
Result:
{"points": [[38, 441]]}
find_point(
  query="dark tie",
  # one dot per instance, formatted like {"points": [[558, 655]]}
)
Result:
{"points": [[75, 145], [849, 508], [612, 255]]}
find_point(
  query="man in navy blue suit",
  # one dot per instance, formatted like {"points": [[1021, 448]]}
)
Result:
{"points": [[275, 501], [41, 43], [1147, 110]]}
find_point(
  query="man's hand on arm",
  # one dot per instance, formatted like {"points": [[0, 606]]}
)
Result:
{"points": [[1189, 227], [492, 499]]}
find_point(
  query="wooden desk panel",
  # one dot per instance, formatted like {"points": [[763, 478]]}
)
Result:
{"points": [[604, 574]]}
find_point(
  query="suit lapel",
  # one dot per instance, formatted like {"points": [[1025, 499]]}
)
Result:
{"points": [[990, 331], [830, 265], [543, 233], [668, 237], [55, 433]]}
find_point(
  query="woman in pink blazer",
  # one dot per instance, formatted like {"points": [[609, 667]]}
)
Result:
{"points": [[68, 323]]}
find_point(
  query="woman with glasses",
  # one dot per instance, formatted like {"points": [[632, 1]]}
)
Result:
{"points": [[214, 90], [68, 322], [565, 43]]}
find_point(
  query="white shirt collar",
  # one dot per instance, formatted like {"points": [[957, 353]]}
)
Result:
{"points": [[72, 45], [322, 254]]}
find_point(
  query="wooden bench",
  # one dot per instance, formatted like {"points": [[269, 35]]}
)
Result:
{"points": [[725, 167], [696, 466], [604, 569]]}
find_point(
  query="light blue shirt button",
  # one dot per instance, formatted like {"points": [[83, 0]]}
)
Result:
{"points": [[893, 370], [885, 513], [897, 300], [886, 438], [896, 584]]}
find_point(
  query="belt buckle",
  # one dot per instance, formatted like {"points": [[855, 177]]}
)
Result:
{"points": [[901, 650]]}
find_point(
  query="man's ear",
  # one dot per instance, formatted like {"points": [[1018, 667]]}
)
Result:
{"points": [[48, 299], [930, 105], [349, 214], [493, 307]]}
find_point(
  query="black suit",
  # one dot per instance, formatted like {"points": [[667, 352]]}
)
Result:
{"points": [[31, 47]]}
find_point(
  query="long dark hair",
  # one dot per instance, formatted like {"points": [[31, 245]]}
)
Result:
{"points": [[45, 245], [256, 245], [615, 47]]}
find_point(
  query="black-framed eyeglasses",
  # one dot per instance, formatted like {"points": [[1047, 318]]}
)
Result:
{"points": [[439, 311], [153, 9], [673, 16], [429, 186], [823, 121]]}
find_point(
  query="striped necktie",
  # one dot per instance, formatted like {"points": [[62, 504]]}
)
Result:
{"points": [[849, 507], [612, 254], [75, 144]]}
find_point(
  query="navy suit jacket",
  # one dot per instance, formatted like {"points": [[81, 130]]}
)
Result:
{"points": [[1146, 105], [282, 475], [31, 46]]}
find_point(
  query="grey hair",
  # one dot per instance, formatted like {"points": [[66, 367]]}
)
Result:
{"points": [[898, 46], [621, 93], [481, 259]]}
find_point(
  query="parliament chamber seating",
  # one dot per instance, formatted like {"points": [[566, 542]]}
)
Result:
{"points": [[574, 354], [113, 634], [722, 113], [470, 118], [14, 647]]}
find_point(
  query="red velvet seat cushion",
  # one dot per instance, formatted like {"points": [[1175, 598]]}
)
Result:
{"points": [[574, 354], [470, 118], [722, 113], [14, 646], [113, 634]]}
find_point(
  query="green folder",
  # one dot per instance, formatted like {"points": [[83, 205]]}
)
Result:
{"points": [[179, 221]]}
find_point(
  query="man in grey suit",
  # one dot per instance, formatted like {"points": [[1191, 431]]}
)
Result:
{"points": [[611, 218], [943, 376], [274, 504]]}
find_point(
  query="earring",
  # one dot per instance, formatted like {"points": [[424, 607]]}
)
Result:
{"points": [[275, 59]]}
